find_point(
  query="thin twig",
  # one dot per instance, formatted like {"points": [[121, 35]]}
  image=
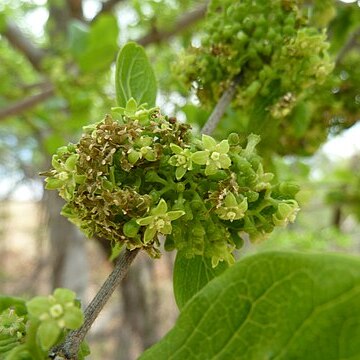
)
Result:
{"points": [[221, 106], [69, 349], [184, 22], [26, 103]]}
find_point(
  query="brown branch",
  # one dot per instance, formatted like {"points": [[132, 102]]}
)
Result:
{"points": [[352, 42], [75, 7], [26, 103], [221, 106], [184, 22], [70, 348], [20, 42]]}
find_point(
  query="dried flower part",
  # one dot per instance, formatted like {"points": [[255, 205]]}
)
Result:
{"points": [[132, 179]]}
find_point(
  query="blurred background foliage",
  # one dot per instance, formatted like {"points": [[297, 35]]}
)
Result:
{"points": [[57, 73]]}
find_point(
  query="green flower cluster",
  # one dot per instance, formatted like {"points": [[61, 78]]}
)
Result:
{"points": [[28, 330], [262, 41], [56, 313], [12, 331], [278, 56], [146, 175]]}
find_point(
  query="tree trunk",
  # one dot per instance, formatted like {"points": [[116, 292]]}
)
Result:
{"points": [[140, 299], [67, 249]]}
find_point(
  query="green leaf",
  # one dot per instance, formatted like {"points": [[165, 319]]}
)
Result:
{"points": [[95, 48], [115, 251], [195, 115], [274, 305], [191, 275], [48, 334], [78, 38], [209, 142], [134, 76], [83, 351], [200, 157]]}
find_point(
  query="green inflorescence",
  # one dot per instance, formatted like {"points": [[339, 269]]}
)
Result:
{"points": [[278, 56], [28, 330], [144, 175], [56, 312], [12, 331], [263, 40]]}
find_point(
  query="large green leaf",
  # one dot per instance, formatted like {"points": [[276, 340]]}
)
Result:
{"points": [[273, 305], [191, 275], [134, 76]]}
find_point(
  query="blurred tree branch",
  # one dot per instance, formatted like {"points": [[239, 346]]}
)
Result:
{"points": [[184, 22], [352, 42], [75, 7], [36, 55], [27, 103], [20, 42], [221, 106]]}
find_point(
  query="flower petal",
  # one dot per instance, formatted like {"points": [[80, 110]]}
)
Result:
{"points": [[73, 318], [47, 334], [224, 161], [173, 215], [230, 200], [223, 147], [146, 220], [180, 172], [64, 295], [149, 234], [160, 209], [211, 169], [200, 157], [71, 161], [167, 229], [176, 149], [208, 142]]}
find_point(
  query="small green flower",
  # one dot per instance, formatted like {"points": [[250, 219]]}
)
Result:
{"points": [[182, 160], [214, 156], [159, 221], [232, 210], [286, 212], [64, 176], [56, 312], [263, 179], [145, 152], [129, 110], [142, 149]]}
